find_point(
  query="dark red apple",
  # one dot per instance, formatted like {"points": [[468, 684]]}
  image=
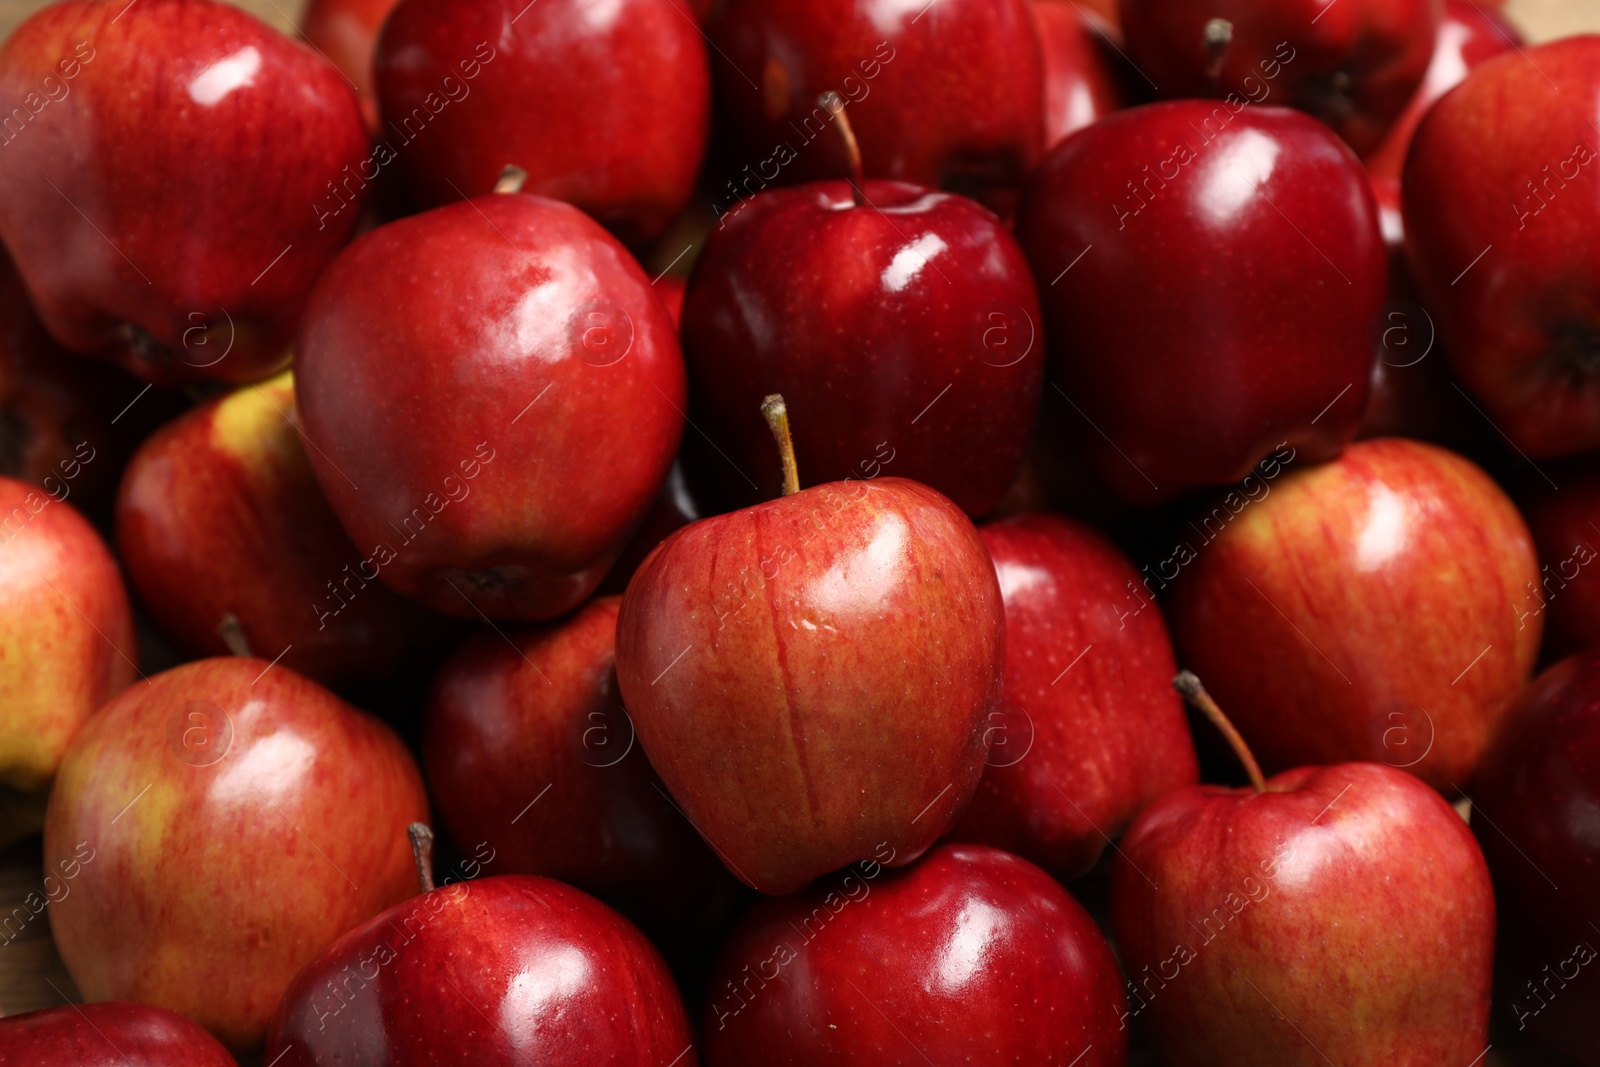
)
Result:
{"points": [[112, 1034], [1565, 595], [1371, 608], [233, 548], [493, 395], [605, 106], [1354, 64], [1089, 729], [1082, 69], [237, 818], [969, 956], [923, 359], [1210, 278], [1534, 810], [346, 33], [1500, 215], [945, 94], [508, 970], [176, 212]]}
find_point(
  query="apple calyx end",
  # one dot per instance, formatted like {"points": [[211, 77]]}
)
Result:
{"points": [[776, 412], [833, 103], [511, 179], [1187, 683], [421, 835]]}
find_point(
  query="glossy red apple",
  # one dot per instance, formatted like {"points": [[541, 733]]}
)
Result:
{"points": [[346, 33], [1210, 279], [811, 676], [240, 818], [1082, 69], [1354, 65], [971, 955], [549, 378], [509, 970], [1566, 593], [943, 95], [1534, 810], [1369, 608], [113, 1034], [931, 360], [605, 106], [175, 213], [1499, 215], [1089, 729]]}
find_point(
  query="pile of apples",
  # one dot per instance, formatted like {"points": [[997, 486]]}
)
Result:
{"points": [[810, 649]]}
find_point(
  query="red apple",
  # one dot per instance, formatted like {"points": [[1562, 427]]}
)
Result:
{"points": [[1565, 596], [346, 33], [240, 818], [606, 107], [941, 94], [509, 970], [114, 1034], [175, 214], [1354, 64], [67, 645], [232, 547], [929, 366], [971, 955], [1363, 609], [1499, 220], [1082, 68], [1089, 729], [1210, 277], [811, 676], [1533, 810], [549, 376]]}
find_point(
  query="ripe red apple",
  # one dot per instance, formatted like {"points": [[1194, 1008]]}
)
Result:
{"points": [[220, 518], [1533, 812], [1367, 608], [1353, 65], [346, 33], [1335, 914], [1565, 595], [114, 1034], [971, 955], [606, 107], [1089, 729], [172, 216], [1499, 218], [929, 366], [240, 818], [509, 970], [549, 378], [1082, 70], [948, 94], [67, 645], [1210, 279], [811, 676]]}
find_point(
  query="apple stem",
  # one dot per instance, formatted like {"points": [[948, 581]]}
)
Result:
{"points": [[852, 148], [511, 179], [1219, 35], [1189, 685], [421, 835], [776, 413], [232, 635]]}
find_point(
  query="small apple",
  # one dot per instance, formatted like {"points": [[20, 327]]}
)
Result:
{"points": [[113, 1034]]}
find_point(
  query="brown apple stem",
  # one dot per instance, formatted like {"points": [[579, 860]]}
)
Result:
{"points": [[421, 835], [852, 148], [1219, 35], [511, 179], [232, 635], [1189, 685], [776, 413]]}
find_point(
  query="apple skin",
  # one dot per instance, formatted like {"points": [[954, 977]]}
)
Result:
{"points": [[607, 107], [257, 818], [113, 1034], [1353, 65], [949, 100], [971, 955], [517, 509], [1078, 745], [1534, 804], [198, 145], [1229, 314], [1357, 923], [1373, 608], [507, 970], [1082, 74], [1566, 594], [68, 643], [811, 676], [346, 33], [1519, 323], [931, 363]]}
